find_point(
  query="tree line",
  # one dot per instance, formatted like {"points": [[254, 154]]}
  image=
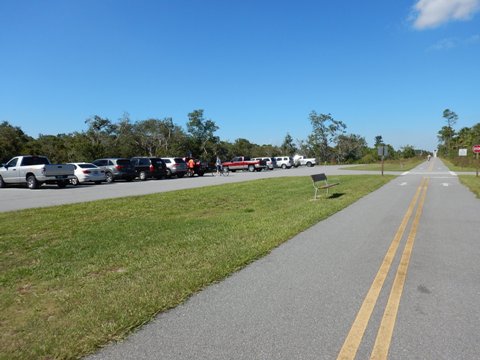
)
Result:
{"points": [[451, 140], [327, 142]]}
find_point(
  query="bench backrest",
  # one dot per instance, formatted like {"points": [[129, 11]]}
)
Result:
{"points": [[319, 177]]}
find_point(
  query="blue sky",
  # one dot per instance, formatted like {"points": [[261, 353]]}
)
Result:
{"points": [[257, 68]]}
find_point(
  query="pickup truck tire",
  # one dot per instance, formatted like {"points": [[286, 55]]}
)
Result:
{"points": [[251, 168], [74, 181], [109, 177], [2, 183], [32, 182], [142, 175], [309, 164]]}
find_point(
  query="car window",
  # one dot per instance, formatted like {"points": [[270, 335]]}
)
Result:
{"points": [[34, 160], [86, 166], [123, 162], [167, 161], [12, 162], [144, 162], [179, 160]]}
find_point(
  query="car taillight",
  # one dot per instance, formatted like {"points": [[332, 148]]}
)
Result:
{"points": [[86, 171], [119, 167], [152, 169]]}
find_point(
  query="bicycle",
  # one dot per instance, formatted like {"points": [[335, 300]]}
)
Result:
{"points": [[224, 171], [190, 172]]}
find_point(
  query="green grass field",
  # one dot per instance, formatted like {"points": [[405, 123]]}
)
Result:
{"points": [[75, 277], [472, 182], [389, 165]]}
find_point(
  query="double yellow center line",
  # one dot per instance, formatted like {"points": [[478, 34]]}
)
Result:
{"points": [[384, 336]]}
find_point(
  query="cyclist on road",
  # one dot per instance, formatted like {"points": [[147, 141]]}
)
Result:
{"points": [[191, 167], [218, 165]]}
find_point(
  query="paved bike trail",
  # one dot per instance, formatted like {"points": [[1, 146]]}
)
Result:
{"points": [[300, 301]]}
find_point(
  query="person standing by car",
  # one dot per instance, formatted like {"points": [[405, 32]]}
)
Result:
{"points": [[218, 165]]}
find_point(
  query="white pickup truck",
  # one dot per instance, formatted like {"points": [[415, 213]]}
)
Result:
{"points": [[300, 160], [35, 171]]}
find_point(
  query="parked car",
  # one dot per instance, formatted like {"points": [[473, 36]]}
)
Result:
{"points": [[244, 163], [175, 166], [116, 169], [34, 171], [284, 162], [269, 161], [300, 160], [149, 167], [87, 172]]}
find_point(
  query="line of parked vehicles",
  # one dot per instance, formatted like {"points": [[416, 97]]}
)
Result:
{"points": [[34, 171]]}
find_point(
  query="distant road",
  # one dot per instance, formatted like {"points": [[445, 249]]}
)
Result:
{"points": [[17, 198], [395, 274]]}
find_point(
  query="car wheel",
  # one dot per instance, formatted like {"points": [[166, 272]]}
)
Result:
{"points": [[2, 183], [169, 173], [284, 166], [32, 182], [251, 168], [74, 181], [109, 177], [309, 164], [142, 175]]}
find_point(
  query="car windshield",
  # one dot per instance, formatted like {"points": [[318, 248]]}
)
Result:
{"points": [[87, 166]]}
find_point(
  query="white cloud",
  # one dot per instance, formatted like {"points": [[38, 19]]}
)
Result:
{"points": [[450, 43], [433, 13]]}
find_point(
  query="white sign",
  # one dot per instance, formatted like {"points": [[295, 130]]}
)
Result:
{"points": [[462, 152]]}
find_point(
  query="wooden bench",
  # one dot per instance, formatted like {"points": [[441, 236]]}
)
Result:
{"points": [[317, 179]]}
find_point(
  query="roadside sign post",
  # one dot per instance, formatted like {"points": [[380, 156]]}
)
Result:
{"points": [[382, 151], [476, 150]]}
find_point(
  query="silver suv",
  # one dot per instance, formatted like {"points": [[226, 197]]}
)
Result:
{"points": [[175, 166], [116, 168], [285, 162]]}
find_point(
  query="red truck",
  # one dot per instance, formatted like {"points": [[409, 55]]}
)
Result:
{"points": [[245, 163]]}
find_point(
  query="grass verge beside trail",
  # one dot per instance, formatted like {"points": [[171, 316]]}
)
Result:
{"points": [[389, 165], [75, 277], [465, 165], [472, 182]]}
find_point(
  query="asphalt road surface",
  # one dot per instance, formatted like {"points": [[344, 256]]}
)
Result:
{"points": [[394, 275]]}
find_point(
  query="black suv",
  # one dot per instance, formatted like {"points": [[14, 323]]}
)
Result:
{"points": [[116, 168], [149, 167]]}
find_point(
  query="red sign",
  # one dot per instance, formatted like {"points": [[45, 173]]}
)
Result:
{"points": [[476, 149]]}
